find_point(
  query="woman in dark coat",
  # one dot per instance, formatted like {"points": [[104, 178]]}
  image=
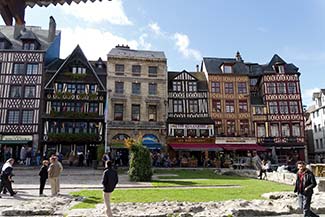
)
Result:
{"points": [[43, 176]]}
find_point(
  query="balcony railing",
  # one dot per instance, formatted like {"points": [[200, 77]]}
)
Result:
{"points": [[70, 114]]}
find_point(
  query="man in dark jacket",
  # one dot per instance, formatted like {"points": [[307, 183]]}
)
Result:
{"points": [[43, 176], [109, 181], [6, 176], [305, 183]]}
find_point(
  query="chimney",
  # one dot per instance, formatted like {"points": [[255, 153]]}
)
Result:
{"points": [[238, 57], [18, 30], [197, 68], [52, 29]]}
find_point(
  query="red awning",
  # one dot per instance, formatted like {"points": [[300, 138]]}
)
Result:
{"points": [[243, 147], [196, 147]]}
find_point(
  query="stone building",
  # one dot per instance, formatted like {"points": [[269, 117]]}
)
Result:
{"points": [[24, 51], [137, 97]]}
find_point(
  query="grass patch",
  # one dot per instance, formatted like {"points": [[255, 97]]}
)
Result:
{"points": [[249, 189]]}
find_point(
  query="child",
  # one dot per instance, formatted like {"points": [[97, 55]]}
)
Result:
{"points": [[43, 176]]}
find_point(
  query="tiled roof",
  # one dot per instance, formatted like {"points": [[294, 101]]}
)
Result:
{"points": [[129, 53], [32, 3]]}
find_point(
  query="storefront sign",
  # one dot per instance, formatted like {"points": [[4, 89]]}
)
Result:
{"points": [[191, 140], [190, 126], [17, 137], [236, 140]]}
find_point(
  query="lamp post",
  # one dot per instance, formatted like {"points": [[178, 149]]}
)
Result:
{"points": [[106, 120]]}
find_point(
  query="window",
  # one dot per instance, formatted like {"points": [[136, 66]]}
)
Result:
{"points": [[93, 107], [218, 125], [282, 88], [92, 88], [292, 88], [177, 86], [242, 88], [296, 130], [92, 127], [30, 91], [319, 129], [136, 70], [294, 109], [179, 132], [321, 143], [231, 128], [136, 88], [119, 69], [152, 89], [230, 106], [13, 117], [216, 105], [71, 88], [191, 132], [261, 130], [244, 127], [32, 69], [27, 117], [229, 87], [281, 69], [273, 108], [259, 110], [118, 112], [317, 113], [152, 113], [29, 46], [2, 45], [19, 68], [243, 106], [70, 107], [274, 130], [178, 106], [315, 128], [192, 86], [285, 130], [271, 88], [78, 70], [68, 127], [15, 92], [317, 144], [204, 132], [56, 106], [193, 106], [227, 69], [215, 87], [81, 88], [59, 87], [135, 113], [54, 127], [253, 81], [153, 71], [283, 107], [119, 87], [80, 127]]}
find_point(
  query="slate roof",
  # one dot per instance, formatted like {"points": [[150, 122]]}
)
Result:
{"points": [[142, 54], [41, 35], [213, 66], [200, 76]]}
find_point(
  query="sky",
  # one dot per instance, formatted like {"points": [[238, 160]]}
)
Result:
{"points": [[187, 30]]}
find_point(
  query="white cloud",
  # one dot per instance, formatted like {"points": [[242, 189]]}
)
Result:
{"points": [[143, 44], [155, 28], [93, 42], [182, 43], [307, 96], [111, 11]]}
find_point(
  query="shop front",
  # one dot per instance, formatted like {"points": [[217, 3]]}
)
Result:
{"points": [[10, 145]]}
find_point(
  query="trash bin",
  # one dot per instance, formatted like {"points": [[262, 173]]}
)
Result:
{"points": [[94, 164]]}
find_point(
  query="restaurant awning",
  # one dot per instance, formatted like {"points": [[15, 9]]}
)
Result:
{"points": [[243, 147], [196, 147], [9, 142], [152, 145]]}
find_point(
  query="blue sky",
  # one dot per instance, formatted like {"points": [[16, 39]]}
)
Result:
{"points": [[187, 30]]}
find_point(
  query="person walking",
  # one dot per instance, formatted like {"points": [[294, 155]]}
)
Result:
{"points": [[6, 176], [54, 172], [43, 176], [109, 181], [305, 182]]}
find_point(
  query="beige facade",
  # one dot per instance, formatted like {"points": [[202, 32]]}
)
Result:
{"points": [[137, 99]]}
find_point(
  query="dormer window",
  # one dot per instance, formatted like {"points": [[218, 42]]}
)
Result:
{"points": [[281, 69], [78, 70], [226, 69], [29, 46], [2, 45]]}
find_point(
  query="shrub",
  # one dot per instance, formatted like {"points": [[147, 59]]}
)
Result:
{"points": [[140, 161]]}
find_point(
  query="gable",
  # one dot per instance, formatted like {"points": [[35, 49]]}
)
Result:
{"points": [[185, 76]]}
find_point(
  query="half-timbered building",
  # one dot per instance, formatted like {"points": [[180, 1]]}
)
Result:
{"points": [[190, 128], [23, 54], [277, 109], [75, 96], [230, 103]]}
